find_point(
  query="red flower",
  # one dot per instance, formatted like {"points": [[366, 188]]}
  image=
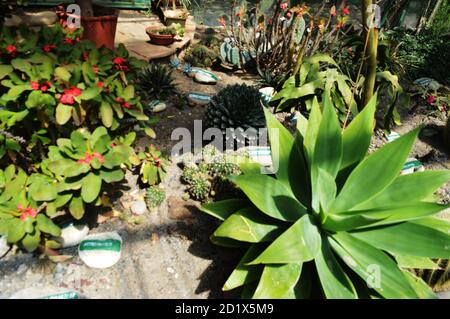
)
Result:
{"points": [[284, 5], [11, 49], [157, 162], [99, 157], [118, 100], [45, 87], [119, 60], [431, 99], [100, 84], [345, 11], [85, 56], [90, 157], [69, 94], [48, 47], [95, 68], [288, 14], [113, 145], [126, 105], [34, 85], [29, 212], [68, 41]]}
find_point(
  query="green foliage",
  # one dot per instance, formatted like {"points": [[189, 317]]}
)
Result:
{"points": [[85, 164], [21, 219], [236, 107], [156, 82], [155, 196], [153, 166], [203, 54], [441, 23], [332, 213]]}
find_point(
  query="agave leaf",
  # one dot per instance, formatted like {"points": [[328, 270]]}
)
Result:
{"points": [[278, 282], [335, 282], [244, 274], [357, 136], [376, 268], [300, 243], [439, 224], [422, 289], [270, 196], [248, 225], [407, 239], [315, 118], [407, 188], [223, 209], [414, 262], [374, 173]]}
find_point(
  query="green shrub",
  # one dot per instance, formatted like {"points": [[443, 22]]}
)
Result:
{"points": [[332, 219], [153, 167], [156, 82]]}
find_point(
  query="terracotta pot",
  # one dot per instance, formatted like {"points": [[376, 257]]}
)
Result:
{"points": [[160, 39], [101, 28]]}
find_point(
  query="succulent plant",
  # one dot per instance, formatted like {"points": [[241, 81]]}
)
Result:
{"points": [[188, 174], [153, 166], [236, 107], [156, 82], [155, 196], [221, 169], [201, 56], [200, 187]]}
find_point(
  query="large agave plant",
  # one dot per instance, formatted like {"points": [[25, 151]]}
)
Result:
{"points": [[236, 107], [333, 221], [156, 82]]}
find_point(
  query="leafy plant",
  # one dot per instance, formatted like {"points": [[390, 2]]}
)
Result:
{"points": [[21, 220], [156, 82], [84, 164], [331, 215], [153, 166], [201, 56], [237, 107]]}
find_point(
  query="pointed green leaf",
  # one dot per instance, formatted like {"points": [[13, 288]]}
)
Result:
{"points": [[278, 282], [414, 262], [223, 209]]}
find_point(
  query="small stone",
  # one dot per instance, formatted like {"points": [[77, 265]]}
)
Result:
{"points": [[4, 246], [170, 270], [101, 250], [267, 93], [159, 107], [198, 99], [72, 234], [22, 268], [46, 292], [138, 207], [180, 209], [205, 78], [443, 295]]}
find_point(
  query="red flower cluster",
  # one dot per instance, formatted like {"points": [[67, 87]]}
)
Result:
{"points": [[69, 94], [100, 84], [48, 47], [27, 212], [120, 64], [346, 11], [72, 41], [123, 103], [431, 99], [43, 87], [11, 49], [90, 157]]}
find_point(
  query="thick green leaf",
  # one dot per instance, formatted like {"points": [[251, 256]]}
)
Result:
{"points": [[407, 188], [374, 173], [421, 288], [315, 118], [375, 267], [47, 226], [270, 196], [414, 262], [278, 282], [248, 225], [63, 113], [90, 93], [244, 274], [408, 239], [92, 184], [106, 114], [335, 282], [76, 207], [16, 230], [439, 224], [300, 243], [112, 176], [31, 241], [42, 190], [223, 209], [357, 136], [5, 70], [63, 74]]}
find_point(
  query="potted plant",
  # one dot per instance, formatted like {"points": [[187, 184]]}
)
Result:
{"points": [[163, 36], [99, 23], [176, 15]]}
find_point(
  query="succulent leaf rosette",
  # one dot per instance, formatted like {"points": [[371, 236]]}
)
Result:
{"points": [[333, 221]]}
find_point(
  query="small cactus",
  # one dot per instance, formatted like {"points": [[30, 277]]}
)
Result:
{"points": [[188, 174], [155, 196], [200, 187]]}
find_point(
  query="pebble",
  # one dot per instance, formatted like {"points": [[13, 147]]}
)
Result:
{"points": [[101, 250], [198, 99], [267, 93], [45, 292], [22, 269], [73, 234], [159, 107], [138, 207], [204, 78]]}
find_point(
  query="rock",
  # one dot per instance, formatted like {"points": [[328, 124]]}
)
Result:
{"points": [[393, 136], [4, 246], [260, 154], [443, 295], [204, 79], [428, 83], [46, 292], [267, 93], [101, 250], [198, 99], [180, 209], [32, 19], [159, 107], [138, 207], [72, 234], [412, 165]]}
